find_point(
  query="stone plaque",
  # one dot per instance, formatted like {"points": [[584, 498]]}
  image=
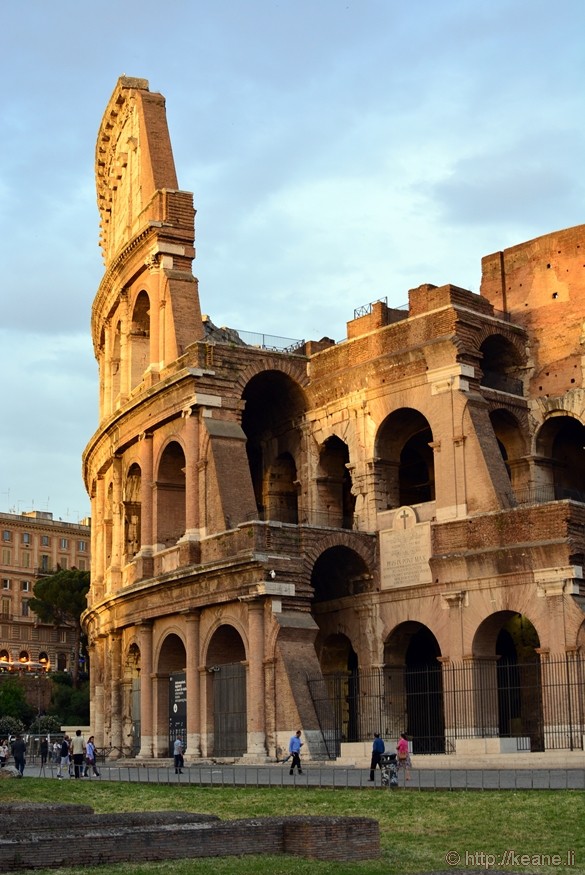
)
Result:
{"points": [[405, 549]]}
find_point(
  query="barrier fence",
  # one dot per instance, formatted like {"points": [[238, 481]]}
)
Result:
{"points": [[539, 704]]}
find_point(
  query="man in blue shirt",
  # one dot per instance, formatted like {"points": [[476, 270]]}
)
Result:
{"points": [[294, 748], [377, 751]]}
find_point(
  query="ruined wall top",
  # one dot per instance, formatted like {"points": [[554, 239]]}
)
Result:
{"points": [[133, 161]]}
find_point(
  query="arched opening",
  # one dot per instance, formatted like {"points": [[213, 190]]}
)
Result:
{"points": [[561, 451], [414, 687], [44, 660], [226, 693], [172, 690], [508, 675], [132, 512], [116, 365], [139, 339], [336, 502], [280, 492], [501, 364], [274, 405], [170, 496], [339, 572], [132, 705], [339, 665], [405, 469]]}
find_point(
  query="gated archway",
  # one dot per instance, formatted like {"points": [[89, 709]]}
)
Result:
{"points": [[227, 692]]}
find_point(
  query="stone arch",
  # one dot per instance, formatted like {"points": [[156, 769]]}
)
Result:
{"points": [[296, 371], [404, 465], [274, 406], [226, 691], [132, 503], [170, 493], [170, 660], [340, 572], [355, 542], [116, 362], [132, 694], [560, 450], [335, 499], [139, 339], [413, 686], [501, 362], [508, 672]]}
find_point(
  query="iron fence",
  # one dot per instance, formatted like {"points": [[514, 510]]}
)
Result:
{"points": [[538, 705]]}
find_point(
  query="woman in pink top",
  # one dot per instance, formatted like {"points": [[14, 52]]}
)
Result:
{"points": [[403, 755]]}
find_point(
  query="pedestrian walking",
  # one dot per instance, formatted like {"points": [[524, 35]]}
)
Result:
{"points": [[4, 753], [90, 758], [56, 752], [78, 751], [19, 754], [294, 748], [44, 750], [378, 749], [403, 755], [178, 756]]}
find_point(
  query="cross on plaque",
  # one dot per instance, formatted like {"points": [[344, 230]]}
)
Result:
{"points": [[404, 516]]}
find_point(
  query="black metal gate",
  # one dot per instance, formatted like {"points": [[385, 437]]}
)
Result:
{"points": [[541, 703], [177, 709], [230, 716]]}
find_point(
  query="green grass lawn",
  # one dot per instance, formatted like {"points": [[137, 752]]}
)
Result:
{"points": [[417, 829]]}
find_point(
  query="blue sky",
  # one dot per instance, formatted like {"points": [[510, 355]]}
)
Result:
{"points": [[338, 152]]}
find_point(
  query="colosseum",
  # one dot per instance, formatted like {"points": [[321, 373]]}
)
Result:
{"points": [[381, 534]]}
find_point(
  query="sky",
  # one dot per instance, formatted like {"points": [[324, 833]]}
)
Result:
{"points": [[339, 152]]}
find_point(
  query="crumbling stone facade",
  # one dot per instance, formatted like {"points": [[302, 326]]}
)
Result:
{"points": [[408, 502]]}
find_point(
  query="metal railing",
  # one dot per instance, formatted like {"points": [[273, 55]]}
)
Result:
{"points": [[540, 704]]}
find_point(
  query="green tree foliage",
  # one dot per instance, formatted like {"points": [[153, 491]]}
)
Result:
{"points": [[13, 701], [10, 726], [71, 705], [60, 599]]}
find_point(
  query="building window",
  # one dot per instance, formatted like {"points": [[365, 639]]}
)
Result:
{"points": [[81, 565], [25, 611], [6, 535], [82, 546], [26, 537], [5, 583], [6, 556], [5, 607], [25, 585], [25, 560], [45, 541], [63, 562], [45, 562], [64, 543], [62, 636]]}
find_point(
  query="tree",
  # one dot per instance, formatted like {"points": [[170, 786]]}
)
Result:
{"points": [[61, 599], [13, 700]]}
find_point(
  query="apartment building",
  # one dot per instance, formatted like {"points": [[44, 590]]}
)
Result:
{"points": [[35, 545]]}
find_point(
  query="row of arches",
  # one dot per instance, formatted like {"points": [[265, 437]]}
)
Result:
{"points": [[404, 467]]}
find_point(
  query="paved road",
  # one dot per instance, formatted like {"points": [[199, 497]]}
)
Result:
{"points": [[314, 775]]}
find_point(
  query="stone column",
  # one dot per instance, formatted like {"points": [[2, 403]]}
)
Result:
{"points": [[192, 622], [146, 739], [115, 653], [256, 689]]}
